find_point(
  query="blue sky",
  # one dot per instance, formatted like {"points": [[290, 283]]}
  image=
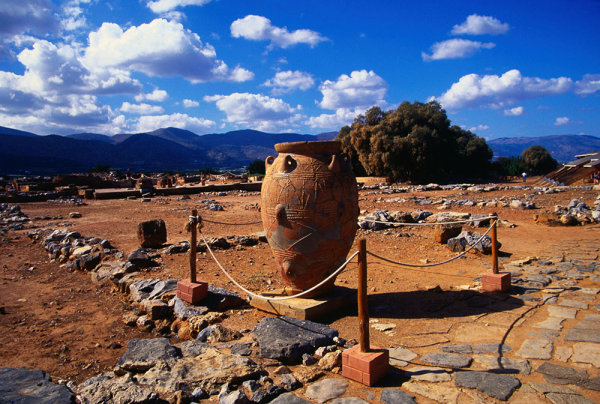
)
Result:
{"points": [[500, 69]]}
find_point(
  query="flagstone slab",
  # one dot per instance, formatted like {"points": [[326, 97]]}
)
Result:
{"points": [[428, 374], [503, 365], [400, 357], [586, 353], [562, 312], [552, 323], [573, 303], [536, 349], [435, 392], [450, 360], [494, 385]]}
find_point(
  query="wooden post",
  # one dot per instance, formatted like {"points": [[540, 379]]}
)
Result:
{"points": [[363, 309], [495, 243], [193, 248]]}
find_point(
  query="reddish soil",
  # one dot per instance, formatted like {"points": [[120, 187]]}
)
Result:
{"points": [[63, 323]]}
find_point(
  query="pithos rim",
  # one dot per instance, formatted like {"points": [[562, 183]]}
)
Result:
{"points": [[310, 147]]}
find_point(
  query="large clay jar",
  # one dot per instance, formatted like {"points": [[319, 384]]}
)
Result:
{"points": [[309, 212]]}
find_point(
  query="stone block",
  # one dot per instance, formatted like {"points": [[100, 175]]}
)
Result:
{"points": [[192, 292], [491, 282], [365, 367]]}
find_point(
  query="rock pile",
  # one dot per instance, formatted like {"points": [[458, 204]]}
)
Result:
{"points": [[11, 218]]}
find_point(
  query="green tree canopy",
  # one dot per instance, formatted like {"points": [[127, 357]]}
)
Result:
{"points": [[257, 167], [414, 143], [537, 160]]}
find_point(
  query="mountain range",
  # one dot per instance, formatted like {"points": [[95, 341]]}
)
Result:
{"points": [[181, 150], [563, 148]]}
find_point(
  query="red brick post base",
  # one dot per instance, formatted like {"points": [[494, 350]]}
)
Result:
{"points": [[192, 292], [365, 367], [499, 282]]}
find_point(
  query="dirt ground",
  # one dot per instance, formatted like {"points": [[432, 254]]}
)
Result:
{"points": [[63, 323]]}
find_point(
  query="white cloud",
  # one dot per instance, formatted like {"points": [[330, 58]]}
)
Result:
{"points": [[562, 121], [163, 6], [589, 85], [190, 103], [156, 95], [288, 81], [495, 91], [517, 111], [22, 16], [479, 128], [455, 49], [258, 28], [73, 17], [480, 25], [141, 109], [256, 111], [342, 117], [161, 48], [361, 89], [181, 121]]}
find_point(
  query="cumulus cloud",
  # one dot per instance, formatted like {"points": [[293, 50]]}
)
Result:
{"points": [[562, 121], [342, 117], [288, 81], [181, 121], [517, 111], [22, 16], [190, 103], [361, 89], [480, 25], [589, 85], [258, 28], [156, 95], [73, 17], [141, 109], [160, 48], [256, 111], [479, 128], [455, 49], [163, 6], [495, 91]]}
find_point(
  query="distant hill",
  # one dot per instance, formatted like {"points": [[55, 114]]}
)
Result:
{"points": [[16, 132], [92, 136], [161, 150], [181, 150], [562, 147]]}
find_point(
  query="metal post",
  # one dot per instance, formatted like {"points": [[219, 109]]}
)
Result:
{"points": [[363, 309], [193, 248], [494, 223]]}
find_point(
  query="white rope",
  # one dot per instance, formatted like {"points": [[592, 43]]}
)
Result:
{"points": [[430, 224], [340, 269], [199, 219], [436, 263]]}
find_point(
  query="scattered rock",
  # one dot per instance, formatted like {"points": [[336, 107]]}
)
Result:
{"points": [[443, 232], [31, 386], [143, 354], [152, 233], [287, 339], [115, 391]]}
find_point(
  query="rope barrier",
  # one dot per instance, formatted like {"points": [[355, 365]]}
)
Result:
{"points": [[436, 263], [430, 224], [199, 219], [333, 275]]}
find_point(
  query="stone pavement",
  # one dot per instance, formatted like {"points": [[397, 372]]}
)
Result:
{"points": [[538, 344]]}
